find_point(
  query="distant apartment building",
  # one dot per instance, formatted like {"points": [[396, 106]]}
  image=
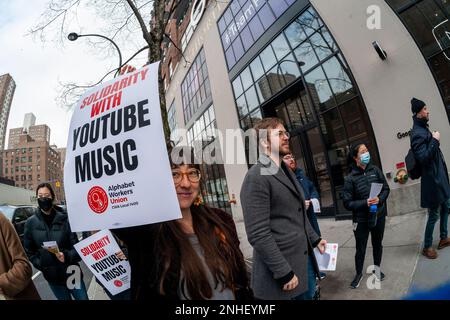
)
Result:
{"points": [[39, 132], [31, 160]]}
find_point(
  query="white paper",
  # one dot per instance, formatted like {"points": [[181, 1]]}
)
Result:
{"points": [[316, 205], [105, 189], [375, 190], [328, 260], [2, 297], [51, 246], [100, 250]]}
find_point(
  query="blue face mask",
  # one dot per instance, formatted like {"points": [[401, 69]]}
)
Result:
{"points": [[365, 158]]}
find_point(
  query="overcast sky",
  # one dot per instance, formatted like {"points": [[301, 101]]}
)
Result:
{"points": [[37, 67]]}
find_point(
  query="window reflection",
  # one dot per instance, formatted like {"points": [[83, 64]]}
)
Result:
{"points": [[289, 70], [320, 90], [340, 82], [305, 54]]}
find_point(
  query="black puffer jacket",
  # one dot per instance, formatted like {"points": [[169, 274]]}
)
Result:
{"points": [[435, 186], [357, 190], [37, 232]]}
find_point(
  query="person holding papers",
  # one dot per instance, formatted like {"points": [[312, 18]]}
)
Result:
{"points": [[311, 195], [363, 179], [194, 258], [49, 241]]}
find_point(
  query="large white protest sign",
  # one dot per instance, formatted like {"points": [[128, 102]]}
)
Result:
{"points": [[99, 253], [117, 172]]}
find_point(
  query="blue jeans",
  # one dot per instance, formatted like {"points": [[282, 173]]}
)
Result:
{"points": [[61, 292], [312, 217], [308, 295], [433, 215]]}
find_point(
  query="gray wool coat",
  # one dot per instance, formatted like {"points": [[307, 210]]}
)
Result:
{"points": [[278, 229]]}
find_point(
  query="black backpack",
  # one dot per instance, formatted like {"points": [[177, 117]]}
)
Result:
{"points": [[413, 166]]}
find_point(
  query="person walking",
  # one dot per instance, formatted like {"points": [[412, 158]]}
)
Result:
{"points": [[356, 194], [435, 186], [15, 269], [273, 203], [50, 224], [194, 258]]}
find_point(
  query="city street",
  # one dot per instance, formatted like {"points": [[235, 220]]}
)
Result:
{"points": [[404, 266]]}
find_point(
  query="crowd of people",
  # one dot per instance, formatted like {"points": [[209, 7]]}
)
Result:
{"points": [[198, 257]]}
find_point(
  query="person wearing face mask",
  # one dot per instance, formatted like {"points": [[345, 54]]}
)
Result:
{"points": [[435, 186], [49, 223], [356, 199]]}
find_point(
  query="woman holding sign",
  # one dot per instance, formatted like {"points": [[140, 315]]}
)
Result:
{"points": [[194, 258], [369, 214], [49, 242]]}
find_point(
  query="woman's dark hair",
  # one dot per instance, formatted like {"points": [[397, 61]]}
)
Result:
{"points": [[174, 253], [48, 186], [352, 154]]}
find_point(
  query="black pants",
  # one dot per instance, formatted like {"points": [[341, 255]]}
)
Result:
{"points": [[362, 236]]}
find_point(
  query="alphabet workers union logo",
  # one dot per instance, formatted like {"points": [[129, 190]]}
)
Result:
{"points": [[97, 199], [118, 283]]}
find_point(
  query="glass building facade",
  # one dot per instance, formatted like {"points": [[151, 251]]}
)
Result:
{"points": [[301, 77], [244, 22], [428, 22], [214, 188], [195, 88]]}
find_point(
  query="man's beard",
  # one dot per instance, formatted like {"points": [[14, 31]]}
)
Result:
{"points": [[284, 151]]}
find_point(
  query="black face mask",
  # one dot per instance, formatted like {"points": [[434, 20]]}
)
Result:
{"points": [[45, 203]]}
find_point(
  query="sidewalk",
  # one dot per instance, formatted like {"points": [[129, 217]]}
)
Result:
{"points": [[402, 263]]}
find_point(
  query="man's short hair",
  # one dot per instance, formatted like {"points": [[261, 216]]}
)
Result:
{"points": [[266, 124]]}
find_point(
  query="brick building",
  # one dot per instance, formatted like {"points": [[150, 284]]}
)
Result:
{"points": [[31, 160]]}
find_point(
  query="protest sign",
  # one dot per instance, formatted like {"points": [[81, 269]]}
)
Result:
{"points": [[99, 254], [328, 260], [117, 171]]}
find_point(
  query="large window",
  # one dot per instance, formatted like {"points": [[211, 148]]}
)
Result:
{"points": [[421, 17], [195, 88], [203, 134], [244, 22]]}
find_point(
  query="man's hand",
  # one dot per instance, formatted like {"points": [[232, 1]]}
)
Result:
{"points": [[291, 285], [437, 135], [307, 204], [60, 257], [322, 246]]}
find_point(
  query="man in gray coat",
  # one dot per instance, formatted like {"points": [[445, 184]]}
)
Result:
{"points": [[284, 266]]}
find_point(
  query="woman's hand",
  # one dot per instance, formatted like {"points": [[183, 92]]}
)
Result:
{"points": [[60, 257], [375, 200], [121, 255]]}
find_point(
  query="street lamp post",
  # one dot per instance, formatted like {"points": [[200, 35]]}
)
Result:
{"points": [[299, 64], [74, 36]]}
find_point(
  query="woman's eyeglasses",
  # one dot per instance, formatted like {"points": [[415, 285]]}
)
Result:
{"points": [[193, 175]]}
